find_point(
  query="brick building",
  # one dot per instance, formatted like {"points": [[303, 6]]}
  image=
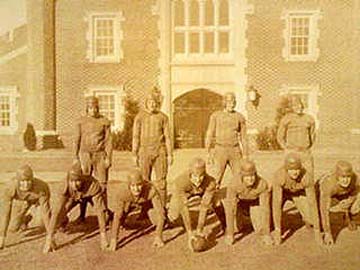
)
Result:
{"points": [[194, 50]]}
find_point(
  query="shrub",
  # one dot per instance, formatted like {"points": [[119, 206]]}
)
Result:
{"points": [[122, 140], [266, 139], [29, 137]]}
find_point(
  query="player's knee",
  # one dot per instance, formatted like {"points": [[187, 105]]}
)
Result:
{"points": [[160, 184]]}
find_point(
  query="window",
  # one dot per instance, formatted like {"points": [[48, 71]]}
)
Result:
{"points": [[301, 35], [309, 96], [5, 111], [105, 37], [8, 110], [201, 28], [110, 103]]}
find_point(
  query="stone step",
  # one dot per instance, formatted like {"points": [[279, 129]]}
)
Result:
{"points": [[55, 161]]}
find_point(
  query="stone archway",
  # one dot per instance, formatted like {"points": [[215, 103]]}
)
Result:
{"points": [[191, 117]]}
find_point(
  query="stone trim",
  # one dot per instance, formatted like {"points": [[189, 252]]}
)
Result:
{"points": [[11, 55], [118, 18], [313, 92], [118, 92], [314, 51]]}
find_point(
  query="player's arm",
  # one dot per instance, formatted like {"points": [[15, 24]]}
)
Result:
{"points": [[108, 144], [264, 200], [210, 133], [117, 222], [277, 197], [230, 213], [184, 211], [77, 140], [281, 133], [6, 205], [44, 203], [313, 207], [204, 206], [277, 206], [312, 132], [57, 211], [166, 130], [325, 204], [243, 139], [136, 134]]}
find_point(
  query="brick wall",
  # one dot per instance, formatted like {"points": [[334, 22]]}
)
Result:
{"points": [[335, 70], [138, 69]]}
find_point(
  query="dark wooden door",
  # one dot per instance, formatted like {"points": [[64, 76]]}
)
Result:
{"points": [[191, 117]]}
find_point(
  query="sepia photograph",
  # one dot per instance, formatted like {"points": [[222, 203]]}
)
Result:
{"points": [[179, 134]]}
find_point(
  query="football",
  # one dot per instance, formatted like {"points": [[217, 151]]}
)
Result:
{"points": [[199, 243]]}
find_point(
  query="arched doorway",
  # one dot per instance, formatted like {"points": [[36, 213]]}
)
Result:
{"points": [[191, 117]]}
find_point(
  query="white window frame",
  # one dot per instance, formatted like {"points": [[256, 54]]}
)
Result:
{"points": [[117, 18], [313, 93], [119, 109], [201, 29], [13, 94], [314, 34]]}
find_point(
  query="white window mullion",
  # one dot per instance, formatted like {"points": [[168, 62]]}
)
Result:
{"points": [[187, 23], [8, 110], [216, 26], [202, 23]]}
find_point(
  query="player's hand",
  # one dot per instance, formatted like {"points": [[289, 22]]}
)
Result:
{"points": [[318, 237], [210, 158], [136, 160], [158, 242], [49, 245], [2, 242], [103, 241], [328, 239], [112, 245], [267, 240], [217, 185], [277, 237], [345, 204], [170, 160], [76, 159], [200, 233], [229, 239], [191, 236], [107, 162], [352, 225]]}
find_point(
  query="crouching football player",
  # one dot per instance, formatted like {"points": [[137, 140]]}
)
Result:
{"points": [[30, 191], [79, 188], [250, 193], [194, 182], [136, 193], [292, 182], [339, 192]]}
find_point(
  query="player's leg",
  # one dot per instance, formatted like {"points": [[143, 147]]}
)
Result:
{"points": [[235, 158], [161, 167], [218, 207], [86, 160], [221, 160], [101, 172]]}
